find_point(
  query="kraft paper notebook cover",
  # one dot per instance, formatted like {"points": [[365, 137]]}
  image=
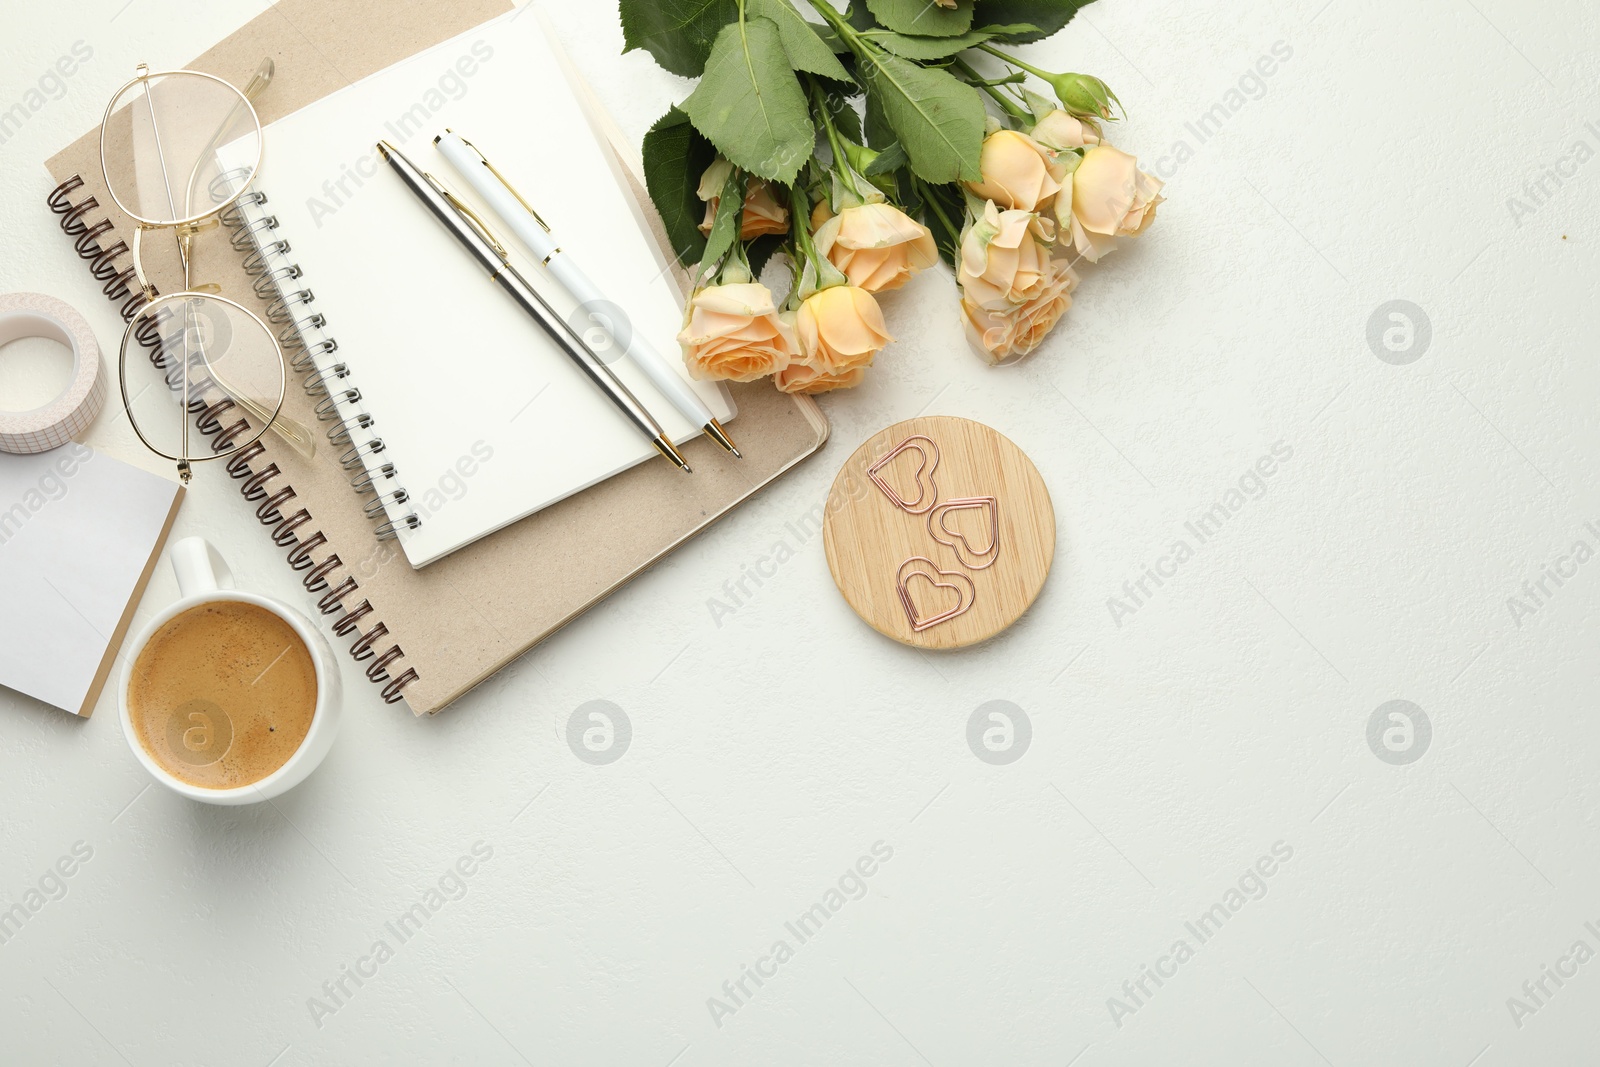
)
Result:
{"points": [[428, 636]]}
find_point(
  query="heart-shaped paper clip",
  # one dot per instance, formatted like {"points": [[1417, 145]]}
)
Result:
{"points": [[963, 603], [927, 488], [971, 558]]}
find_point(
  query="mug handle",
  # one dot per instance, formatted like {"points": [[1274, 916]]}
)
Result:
{"points": [[200, 567]]}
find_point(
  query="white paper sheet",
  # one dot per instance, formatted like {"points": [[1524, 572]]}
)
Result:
{"points": [[77, 530]]}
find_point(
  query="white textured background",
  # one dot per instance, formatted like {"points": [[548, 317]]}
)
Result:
{"points": [[1168, 754]]}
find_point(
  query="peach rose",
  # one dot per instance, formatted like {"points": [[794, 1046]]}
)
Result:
{"points": [[1007, 336], [821, 214], [1005, 258], [735, 333], [877, 246], [762, 213], [1018, 172], [1111, 198], [841, 331], [1064, 132], [799, 378]]}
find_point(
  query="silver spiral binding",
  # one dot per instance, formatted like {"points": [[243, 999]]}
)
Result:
{"points": [[328, 408], [293, 336], [342, 434], [256, 262], [227, 183], [305, 357], [317, 384], [366, 482], [311, 351], [357, 456], [267, 281], [232, 215], [248, 235], [281, 310], [375, 507], [391, 530]]}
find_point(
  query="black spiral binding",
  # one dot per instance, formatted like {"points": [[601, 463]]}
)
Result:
{"points": [[289, 530]]}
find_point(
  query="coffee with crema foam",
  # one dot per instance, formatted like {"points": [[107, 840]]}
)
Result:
{"points": [[223, 694]]}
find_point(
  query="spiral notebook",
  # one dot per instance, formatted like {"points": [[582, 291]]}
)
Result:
{"points": [[457, 414], [425, 636]]}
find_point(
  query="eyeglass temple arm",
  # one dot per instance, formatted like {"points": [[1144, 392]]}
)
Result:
{"points": [[253, 88], [259, 80], [293, 434]]}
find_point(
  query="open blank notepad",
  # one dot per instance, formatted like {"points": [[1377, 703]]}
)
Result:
{"points": [[484, 420]]}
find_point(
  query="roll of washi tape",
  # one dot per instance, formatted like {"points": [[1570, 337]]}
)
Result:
{"points": [[62, 419]]}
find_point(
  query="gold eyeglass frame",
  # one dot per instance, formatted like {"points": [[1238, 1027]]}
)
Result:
{"points": [[184, 232]]}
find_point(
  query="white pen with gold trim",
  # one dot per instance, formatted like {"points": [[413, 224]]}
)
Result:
{"points": [[476, 170]]}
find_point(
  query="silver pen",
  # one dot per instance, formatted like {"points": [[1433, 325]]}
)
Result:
{"points": [[471, 232]]}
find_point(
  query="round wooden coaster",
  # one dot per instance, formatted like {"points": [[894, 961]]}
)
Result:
{"points": [[939, 532]]}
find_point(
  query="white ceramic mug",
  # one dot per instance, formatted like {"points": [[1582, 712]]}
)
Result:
{"points": [[204, 578]]}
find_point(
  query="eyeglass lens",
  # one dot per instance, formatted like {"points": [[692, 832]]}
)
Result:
{"points": [[212, 355], [179, 145]]}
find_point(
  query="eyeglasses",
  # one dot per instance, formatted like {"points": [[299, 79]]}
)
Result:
{"points": [[178, 148]]}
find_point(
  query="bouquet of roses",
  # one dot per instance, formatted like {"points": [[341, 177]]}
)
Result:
{"points": [[772, 153]]}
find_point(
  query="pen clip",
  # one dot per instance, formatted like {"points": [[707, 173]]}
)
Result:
{"points": [[470, 217], [501, 178]]}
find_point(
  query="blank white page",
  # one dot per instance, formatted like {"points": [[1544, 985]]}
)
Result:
{"points": [[485, 420]]}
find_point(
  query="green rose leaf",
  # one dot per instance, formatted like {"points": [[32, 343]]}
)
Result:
{"points": [[831, 38], [806, 50], [1044, 17], [937, 119], [725, 228], [889, 160], [845, 119], [750, 105], [675, 156], [856, 14], [678, 33], [925, 18], [876, 128], [931, 48]]}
